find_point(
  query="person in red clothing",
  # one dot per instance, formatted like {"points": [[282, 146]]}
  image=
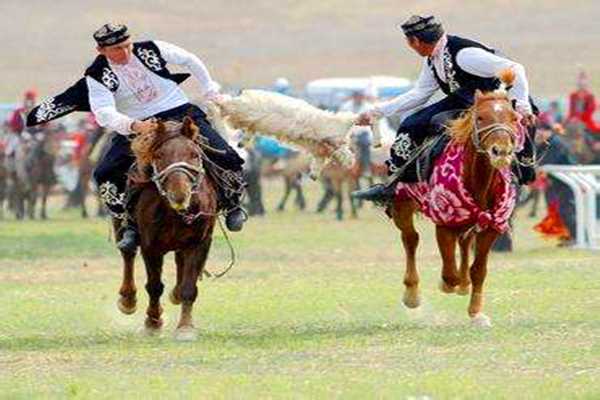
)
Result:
{"points": [[16, 121], [582, 105]]}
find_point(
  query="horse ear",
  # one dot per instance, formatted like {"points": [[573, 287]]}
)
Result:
{"points": [[478, 95], [189, 128]]}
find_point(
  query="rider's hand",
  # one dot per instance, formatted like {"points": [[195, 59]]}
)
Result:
{"points": [[144, 127], [529, 120], [217, 97]]}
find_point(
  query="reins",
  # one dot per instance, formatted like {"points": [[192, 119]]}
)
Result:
{"points": [[196, 175]]}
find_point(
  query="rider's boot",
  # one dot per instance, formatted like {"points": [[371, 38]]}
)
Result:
{"points": [[130, 236]]}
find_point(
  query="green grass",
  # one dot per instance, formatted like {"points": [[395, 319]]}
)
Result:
{"points": [[312, 310]]}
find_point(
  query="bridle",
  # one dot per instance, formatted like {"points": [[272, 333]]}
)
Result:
{"points": [[480, 134], [194, 172]]}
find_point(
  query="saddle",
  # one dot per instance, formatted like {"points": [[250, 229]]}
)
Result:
{"points": [[434, 145]]}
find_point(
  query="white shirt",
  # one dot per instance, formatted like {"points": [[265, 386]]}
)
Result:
{"points": [[473, 60], [142, 93]]}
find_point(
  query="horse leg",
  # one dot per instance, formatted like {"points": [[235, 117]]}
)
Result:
{"points": [[31, 200], [286, 194], [339, 209], [300, 200], [446, 239], [464, 283], [353, 185], [402, 214], [127, 302], [175, 294], [83, 188], [2, 196], [483, 244], [45, 191], [328, 194], [194, 261], [154, 287]]}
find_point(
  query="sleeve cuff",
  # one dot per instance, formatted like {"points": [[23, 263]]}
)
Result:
{"points": [[524, 107]]}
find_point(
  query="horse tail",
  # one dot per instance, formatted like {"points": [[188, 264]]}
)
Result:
{"points": [[507, 78]]}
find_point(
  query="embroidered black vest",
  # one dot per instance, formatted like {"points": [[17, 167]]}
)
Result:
{"points": [[459, 82], [76, 97]]}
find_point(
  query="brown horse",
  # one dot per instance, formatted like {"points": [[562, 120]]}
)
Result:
{"points": [[34, 173], [176, 211], [487, 133]]}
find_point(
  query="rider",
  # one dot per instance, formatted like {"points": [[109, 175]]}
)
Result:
{"points": [[458, 67], [126, 87], [16, 121]]}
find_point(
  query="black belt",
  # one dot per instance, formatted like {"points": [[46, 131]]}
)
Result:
{"points": [[177, 112]]}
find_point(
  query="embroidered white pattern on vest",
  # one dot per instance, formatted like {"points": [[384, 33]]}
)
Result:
{"points": [[109, 79], [150, 58], [48, 110], [450, 72]]}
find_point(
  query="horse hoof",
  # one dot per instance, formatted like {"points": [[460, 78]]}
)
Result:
{"points": [[411, 301], [151, 331], [463, 290], [127, 306], [186, 334], [480, 320], [173, 298], [445, 288], [153, 325]]}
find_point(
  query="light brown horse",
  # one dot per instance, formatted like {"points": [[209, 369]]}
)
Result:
{"points": [[488, 133], [176, 211]]}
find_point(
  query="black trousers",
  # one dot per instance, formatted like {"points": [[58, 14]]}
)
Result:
{"points": [[415, 129], [111, 173]]}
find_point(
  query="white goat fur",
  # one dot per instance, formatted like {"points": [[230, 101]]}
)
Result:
{"points": [[325, 135]]}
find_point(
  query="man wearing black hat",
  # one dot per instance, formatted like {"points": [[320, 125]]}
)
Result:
{"points": [[126, 87], [458, 67]]}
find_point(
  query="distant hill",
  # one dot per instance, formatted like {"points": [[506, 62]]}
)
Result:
{"points": [[47, 44]]}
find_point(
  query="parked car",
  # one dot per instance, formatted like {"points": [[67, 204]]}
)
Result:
{"points": [[330, 93]]}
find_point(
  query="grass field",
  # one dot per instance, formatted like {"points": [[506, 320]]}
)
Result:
{"points": [[312, 310]]}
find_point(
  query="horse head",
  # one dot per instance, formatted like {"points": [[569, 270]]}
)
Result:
{"points": [[173, 154], [491, 125]]}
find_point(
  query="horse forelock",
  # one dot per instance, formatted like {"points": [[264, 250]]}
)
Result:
{"points": [[145, 145], [461, 128]]}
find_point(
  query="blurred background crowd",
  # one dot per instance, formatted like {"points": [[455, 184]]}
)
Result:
{"points": [[57, 159]]}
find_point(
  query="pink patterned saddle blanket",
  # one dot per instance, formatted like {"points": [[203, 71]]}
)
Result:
{"points": [[446, 201]]}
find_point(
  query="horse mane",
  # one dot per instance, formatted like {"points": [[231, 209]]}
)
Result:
{"points": [[461, 128], [144, 145]]}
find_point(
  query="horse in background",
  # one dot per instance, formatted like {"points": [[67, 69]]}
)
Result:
{"points": [[339, 182], [176, 211], [292, 170], [3, 180], [90, 154], [469, 197], [33, 173]]}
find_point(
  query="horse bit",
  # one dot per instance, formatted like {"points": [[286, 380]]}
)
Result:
{"points": [[193, 172]]}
